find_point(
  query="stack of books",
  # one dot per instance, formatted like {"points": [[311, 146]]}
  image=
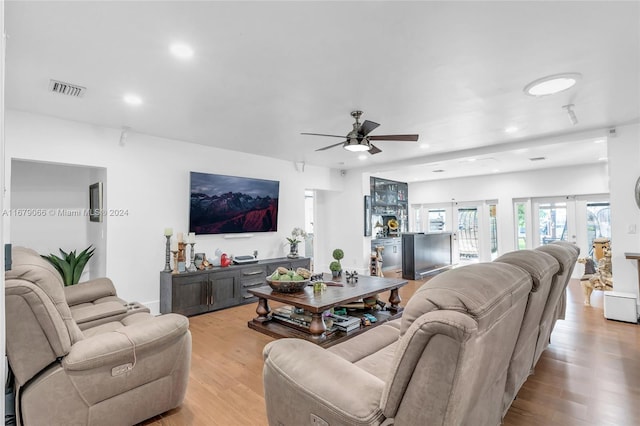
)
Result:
{"points": [[288, 314], [346, 323]]}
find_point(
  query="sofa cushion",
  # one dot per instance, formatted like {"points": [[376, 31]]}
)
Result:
{"points": [[540, 267], [363, 345], [473, 290], [115, 325], [379, 363]]}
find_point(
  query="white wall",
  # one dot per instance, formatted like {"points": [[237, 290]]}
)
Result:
{"points": [[42, 189], [149, 178], [2, 202], [624, 163], [341, 221]]}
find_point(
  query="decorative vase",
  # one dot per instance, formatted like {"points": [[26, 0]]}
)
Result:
{"points": [[293, 250]]}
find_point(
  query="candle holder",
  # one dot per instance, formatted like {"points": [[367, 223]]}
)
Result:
{"points": [[181, 256], [192, 265], [175, 261], [167, 264]]}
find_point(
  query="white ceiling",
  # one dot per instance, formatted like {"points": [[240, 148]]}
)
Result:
{"points": [[263, 72]]}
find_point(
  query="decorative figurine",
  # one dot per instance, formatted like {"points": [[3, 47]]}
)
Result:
{"points": [[352, 277]]}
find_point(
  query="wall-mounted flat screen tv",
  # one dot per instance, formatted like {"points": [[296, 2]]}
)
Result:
{"points": [[230, 204]]}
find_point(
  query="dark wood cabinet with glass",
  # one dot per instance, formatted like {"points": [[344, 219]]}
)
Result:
{"points": [[389, 199]]}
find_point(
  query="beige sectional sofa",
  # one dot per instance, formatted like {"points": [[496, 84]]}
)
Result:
{"points": [[121, 369], [465, 344]]}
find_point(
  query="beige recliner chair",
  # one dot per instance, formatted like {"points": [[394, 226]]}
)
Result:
{"points": [[116, 373]]}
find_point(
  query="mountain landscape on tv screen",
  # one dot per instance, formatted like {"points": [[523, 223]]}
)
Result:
{"points": [[232, 212]]}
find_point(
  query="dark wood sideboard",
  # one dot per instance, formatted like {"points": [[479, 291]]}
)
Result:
{"points": [[192, 293]]}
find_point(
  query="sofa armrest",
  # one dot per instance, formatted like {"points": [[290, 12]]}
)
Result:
{"points": [[301, 379], [88, 313], [117, 347], [89, 291]]}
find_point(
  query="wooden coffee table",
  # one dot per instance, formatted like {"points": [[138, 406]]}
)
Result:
{"points": [[316, 303]]}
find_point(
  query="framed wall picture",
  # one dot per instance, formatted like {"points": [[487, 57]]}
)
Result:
{"points": [[95, 202], [367, 215]]}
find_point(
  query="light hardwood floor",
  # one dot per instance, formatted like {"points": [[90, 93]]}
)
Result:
{"points": [[589, 375]]}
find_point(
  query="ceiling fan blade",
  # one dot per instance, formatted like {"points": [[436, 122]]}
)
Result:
{"points": [[374, 149], [322, 134], [367, 127], [406, 138], [331, 146]]}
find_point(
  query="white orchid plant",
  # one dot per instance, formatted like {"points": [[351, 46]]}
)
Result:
{"points": [[297, 235]]}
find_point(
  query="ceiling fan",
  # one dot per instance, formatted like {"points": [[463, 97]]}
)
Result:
{"points": [[358, 139]]}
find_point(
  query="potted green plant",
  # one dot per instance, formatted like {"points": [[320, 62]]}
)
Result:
{"points": [[336, 266], [70, 265]]}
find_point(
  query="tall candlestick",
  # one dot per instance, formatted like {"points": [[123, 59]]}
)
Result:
{"points": [[180, 236], [191, 238], [167, 264], [192, 266]]}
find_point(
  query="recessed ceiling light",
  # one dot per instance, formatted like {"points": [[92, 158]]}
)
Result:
{"points": [[495, 170], [471, 160], [511, 129], [599, 141], [552, 84], [424, 145], [362, 157], [602, 159], [132, 99], [181, 50]]}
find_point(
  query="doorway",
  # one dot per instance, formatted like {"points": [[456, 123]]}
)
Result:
{"points": [[309, 210], [473, 226], [576, 219]]}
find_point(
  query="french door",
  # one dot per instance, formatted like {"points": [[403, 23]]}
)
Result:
{"points": [[576, 219], [473, 226]]}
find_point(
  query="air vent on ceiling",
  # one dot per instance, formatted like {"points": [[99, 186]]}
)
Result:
{"points": [[68, 89], [537, 159]]}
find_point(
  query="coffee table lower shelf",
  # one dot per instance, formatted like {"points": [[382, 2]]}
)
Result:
{"points": [[277, 329]]}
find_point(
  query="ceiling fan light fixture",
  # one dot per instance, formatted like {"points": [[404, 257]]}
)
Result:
{"points": [[552, 84], [354, 145], [181, 50]]}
